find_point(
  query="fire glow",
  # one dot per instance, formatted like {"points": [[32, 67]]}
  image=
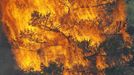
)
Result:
{"points": [[45, 31]]}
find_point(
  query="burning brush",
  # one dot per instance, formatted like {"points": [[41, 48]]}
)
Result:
{"points": [[78, 37]]}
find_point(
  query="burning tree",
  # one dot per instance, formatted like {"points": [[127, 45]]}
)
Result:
{"points": [[85, 37]]}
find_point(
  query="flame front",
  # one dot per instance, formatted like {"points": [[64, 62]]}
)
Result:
{"points": [[45, 31]]}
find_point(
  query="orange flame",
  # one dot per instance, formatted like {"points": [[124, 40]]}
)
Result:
{"points": [[45, 31]]}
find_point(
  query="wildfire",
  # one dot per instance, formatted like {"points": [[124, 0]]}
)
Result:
{"points": [[46, 31]]}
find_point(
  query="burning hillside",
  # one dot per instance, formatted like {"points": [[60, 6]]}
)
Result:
{"points": [[80, 37]]}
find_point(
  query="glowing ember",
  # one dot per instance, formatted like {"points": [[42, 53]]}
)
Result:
{"points": [[53, 31]]}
